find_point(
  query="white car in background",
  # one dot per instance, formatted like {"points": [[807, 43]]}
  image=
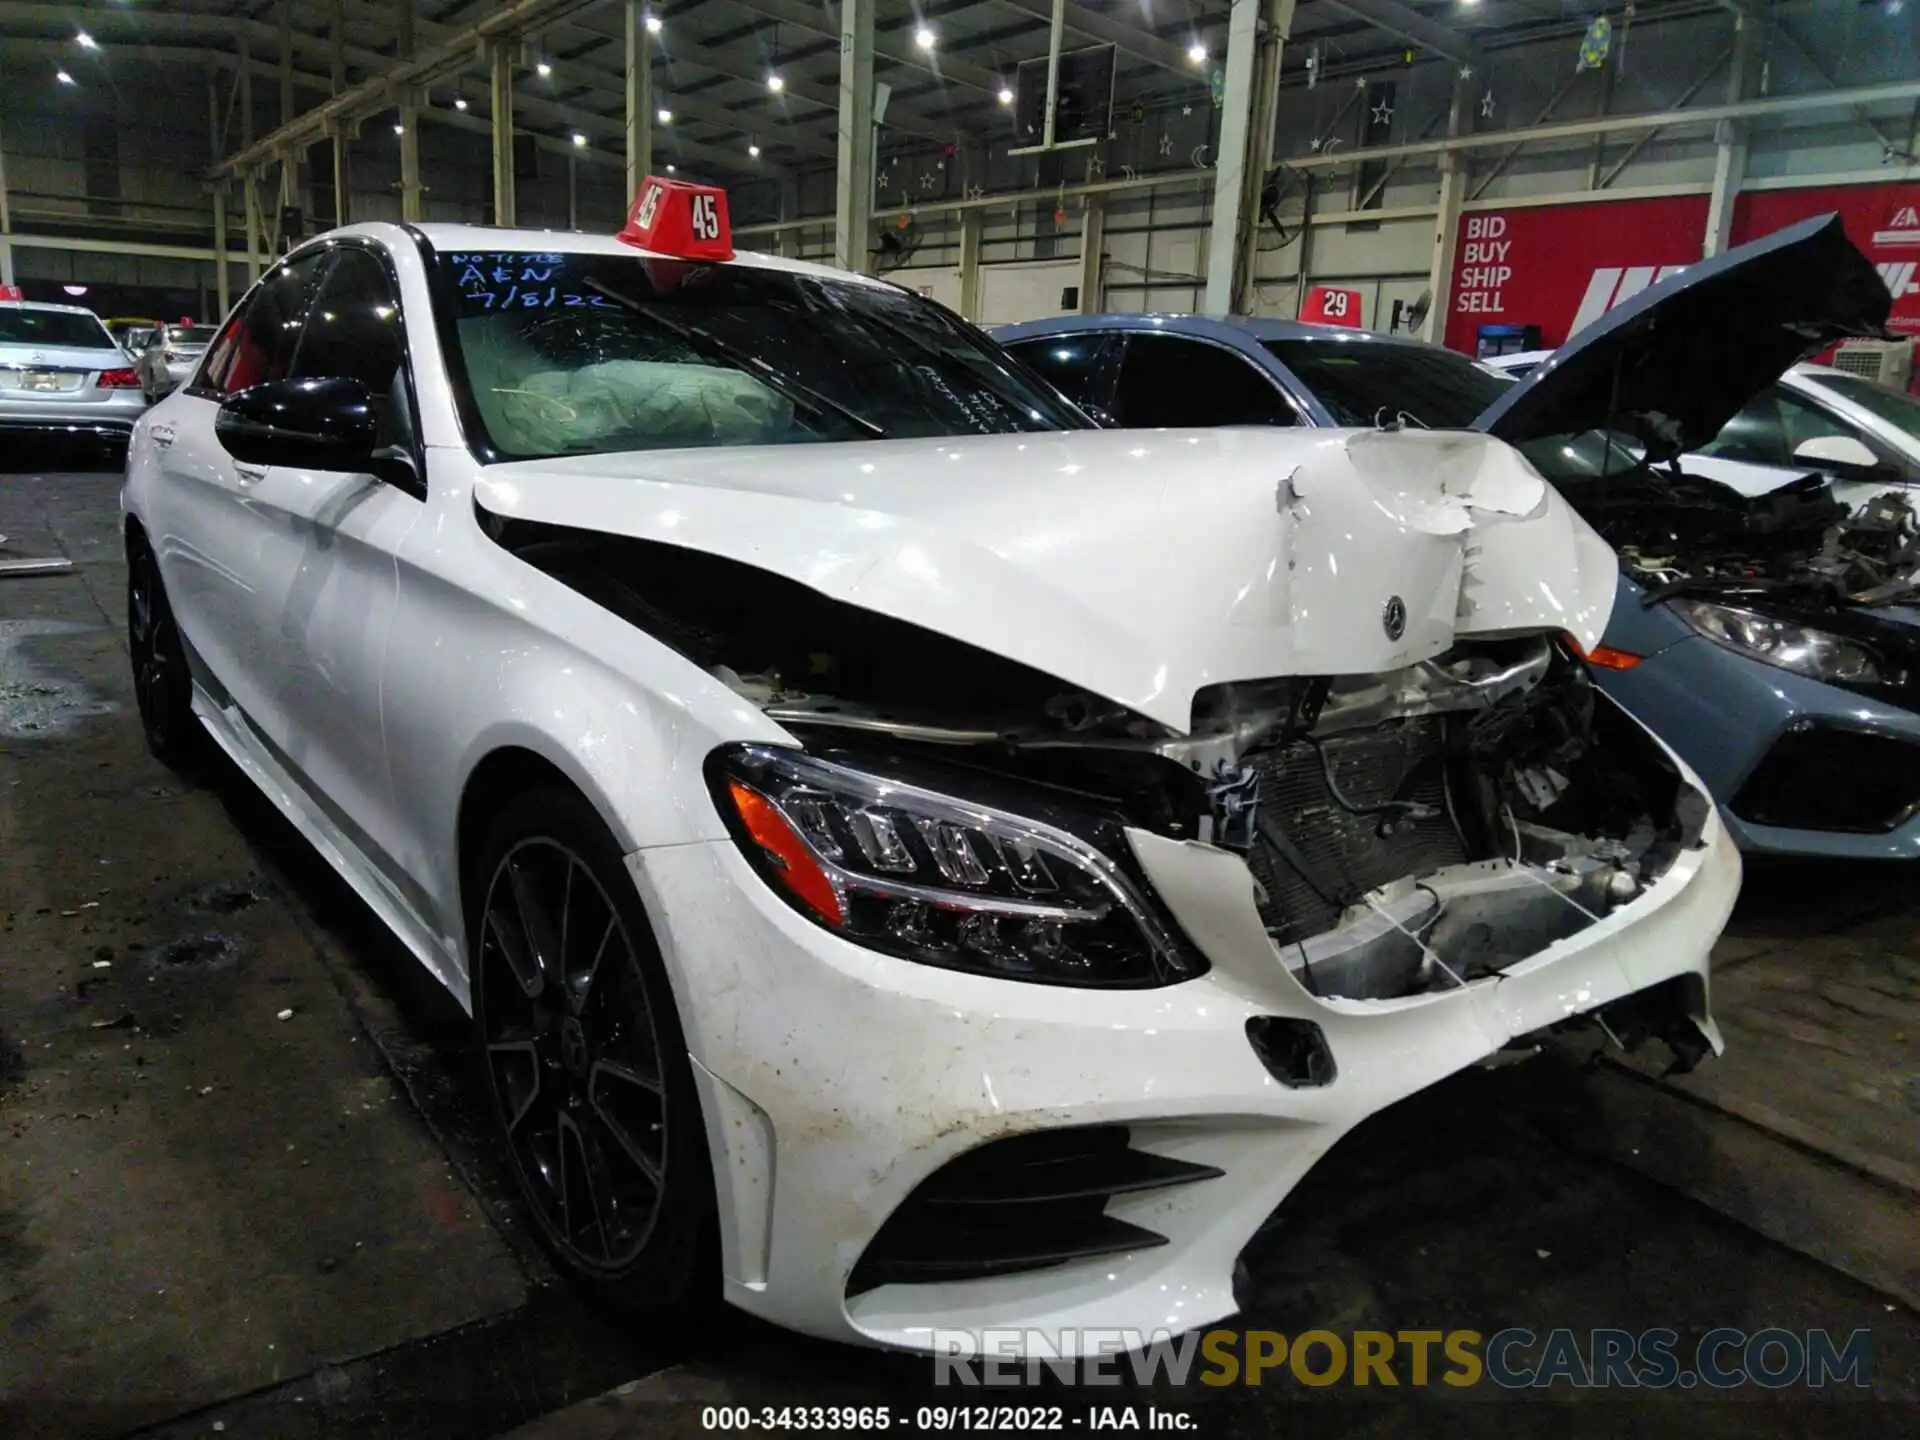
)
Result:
{"points": [[1862, 435], [913, 860], [62, 374]]}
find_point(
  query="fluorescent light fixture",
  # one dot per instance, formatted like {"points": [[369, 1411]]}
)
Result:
{"points": [[459, 102], [776, 84], [543, 69], [578, 138], [86, 41], [1006, 95], [74, 289], [63, 77], [669, 167], [753, 150], [399, 129], [663, 115], [653, 24], [1197, 53], [925, 38]]}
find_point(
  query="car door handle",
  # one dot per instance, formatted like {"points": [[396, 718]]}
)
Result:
{"points": [[250, 474]]}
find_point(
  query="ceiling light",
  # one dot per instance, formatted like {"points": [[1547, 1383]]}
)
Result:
{"points": [[459, 102], [75, 290], [1006, 96], [653, 24], [925, 38], [543, 69], [578, 138], [399, 129], [1197, 53], [776, 84], [669, 167], [63, 77], [663, 115], [753, 150], [86, 41]]}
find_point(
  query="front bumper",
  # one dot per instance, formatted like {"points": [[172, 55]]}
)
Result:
{"points": [[834, 1080], [1723, 712]]}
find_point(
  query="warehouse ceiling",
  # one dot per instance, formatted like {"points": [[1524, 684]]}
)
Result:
{"points": [[947, 62]]}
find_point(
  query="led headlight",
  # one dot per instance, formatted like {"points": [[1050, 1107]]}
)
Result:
{"points": [[1798, 648], [938, 879]]}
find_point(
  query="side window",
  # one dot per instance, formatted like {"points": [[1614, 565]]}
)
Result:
{"points": [[1170, 380], [1803, 421], [257, 343], [1755, 434], [353, 326], [1070, 363]]}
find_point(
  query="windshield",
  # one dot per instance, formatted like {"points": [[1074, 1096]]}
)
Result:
{"points": [[1899, 410], [575, 354], [52, 327]]}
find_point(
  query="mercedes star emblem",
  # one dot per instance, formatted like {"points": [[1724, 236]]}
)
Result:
{"points": [[1394, 618]]}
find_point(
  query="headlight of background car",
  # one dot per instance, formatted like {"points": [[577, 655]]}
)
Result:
{"points": [[1780, 642], [938, 879]]}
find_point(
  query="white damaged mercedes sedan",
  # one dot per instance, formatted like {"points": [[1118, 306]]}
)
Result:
{"points": [[914, 860]]}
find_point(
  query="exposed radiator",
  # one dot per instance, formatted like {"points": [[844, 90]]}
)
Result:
{"points": [[1344, 852]]}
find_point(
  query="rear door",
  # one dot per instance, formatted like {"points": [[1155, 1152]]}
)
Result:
{"points": [[198, 515]]}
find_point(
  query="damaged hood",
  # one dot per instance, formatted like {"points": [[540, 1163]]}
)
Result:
{"points": [[1674, 364], [1141, 566]]}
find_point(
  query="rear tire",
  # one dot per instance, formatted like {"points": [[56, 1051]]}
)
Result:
{"points": [[587, 1069], [162, 684]]}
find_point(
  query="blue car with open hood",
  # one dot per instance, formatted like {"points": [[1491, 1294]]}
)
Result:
{"points": [[1773, 638]]}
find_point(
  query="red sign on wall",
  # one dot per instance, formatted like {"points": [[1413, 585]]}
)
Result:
{"points": [[1883, 220], [1329, 306], [1561, 266]]}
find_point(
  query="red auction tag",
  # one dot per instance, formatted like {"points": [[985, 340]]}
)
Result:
{"points": [[673, 217], [1328, 306]]}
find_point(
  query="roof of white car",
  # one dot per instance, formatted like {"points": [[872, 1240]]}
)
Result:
{"points": [[484, 237], [40, 305]]}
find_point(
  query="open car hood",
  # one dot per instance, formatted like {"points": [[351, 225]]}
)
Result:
{"points": [[1673, 365], [1141, 566]]}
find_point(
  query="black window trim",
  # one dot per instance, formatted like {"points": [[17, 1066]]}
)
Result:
{"points": [[1112, 337], [328, 247]]}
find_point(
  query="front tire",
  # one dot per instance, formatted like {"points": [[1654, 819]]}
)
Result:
{"points": [[162, 684], [586, 1064]]}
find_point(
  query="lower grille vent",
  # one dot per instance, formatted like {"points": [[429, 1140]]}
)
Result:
{"points": [[1020, 1204]]}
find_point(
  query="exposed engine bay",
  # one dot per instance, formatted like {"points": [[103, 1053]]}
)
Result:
{"points": [[1405, 832], [1800, 542]]}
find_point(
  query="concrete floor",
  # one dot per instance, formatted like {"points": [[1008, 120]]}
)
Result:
{"points": [[213, 1218]]}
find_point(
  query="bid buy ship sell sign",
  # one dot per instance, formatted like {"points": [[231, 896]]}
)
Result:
{"points": [[1560, 266]]}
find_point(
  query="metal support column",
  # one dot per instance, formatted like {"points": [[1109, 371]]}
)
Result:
{"points": [[250, 191], [639, 97], [853, 177], [1093, 240], [337, 140], [972, 228], [245, 79], [500, 64], [1266, 121], [1446, 223], [1230, 170], [1730, 142], [221, 283], [6, 226], [286, 61], [411, 209], [573, 193]]}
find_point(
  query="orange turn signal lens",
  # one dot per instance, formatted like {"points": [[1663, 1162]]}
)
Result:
{"points": [[1605, 656], [792, 860]]}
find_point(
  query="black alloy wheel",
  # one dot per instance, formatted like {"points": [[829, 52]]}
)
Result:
{"points": [[162, 685], [592, 1090]]}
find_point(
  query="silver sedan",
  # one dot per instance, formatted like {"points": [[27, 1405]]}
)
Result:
{"points": [[61, 373], [172, 354]]}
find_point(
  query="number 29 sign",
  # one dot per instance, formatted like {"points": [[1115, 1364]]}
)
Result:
{"points": [[673, 217], [1328, 306]]}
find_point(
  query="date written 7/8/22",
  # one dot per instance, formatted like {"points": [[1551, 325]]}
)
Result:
{"points": [[988, 1419]]}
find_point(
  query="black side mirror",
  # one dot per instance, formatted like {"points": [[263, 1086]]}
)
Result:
{"points": [[314, 424]]}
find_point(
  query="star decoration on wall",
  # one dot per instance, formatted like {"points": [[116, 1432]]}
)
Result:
{"points": [[1096, 168], [1186, 109], [1466, 72], [1314, 144], [928, 181], [976, 192], [1383, 114], [1486, 103], [1166, 144]]}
